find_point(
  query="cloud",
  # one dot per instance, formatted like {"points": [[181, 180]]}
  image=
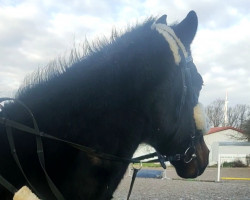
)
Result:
{"points": [[32, 33], [222, 56]]}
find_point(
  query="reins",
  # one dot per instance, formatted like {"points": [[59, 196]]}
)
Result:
{"points": [[9, 124]]}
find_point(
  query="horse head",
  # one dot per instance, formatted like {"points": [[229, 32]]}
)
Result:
{"points": [[178, 121]]}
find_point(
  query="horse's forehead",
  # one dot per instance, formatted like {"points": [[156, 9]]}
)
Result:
{"points": [[174, 42]]}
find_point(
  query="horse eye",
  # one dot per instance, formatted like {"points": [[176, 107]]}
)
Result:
{"points": [[198, 81]]}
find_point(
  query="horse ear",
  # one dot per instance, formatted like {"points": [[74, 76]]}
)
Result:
{"points": [[162, 20], [186, 29]]}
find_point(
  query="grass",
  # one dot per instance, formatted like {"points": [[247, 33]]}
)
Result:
{"points": [[148, 165]]}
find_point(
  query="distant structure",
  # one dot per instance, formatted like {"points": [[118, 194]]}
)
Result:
{"points": [[219, 140], [225, 111]]}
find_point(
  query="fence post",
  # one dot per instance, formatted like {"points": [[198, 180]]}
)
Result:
{"points": [[218, 165], [130, 169], [164, 173]]}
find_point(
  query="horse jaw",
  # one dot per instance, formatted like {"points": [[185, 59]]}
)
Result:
{"points": [[197, 166]]}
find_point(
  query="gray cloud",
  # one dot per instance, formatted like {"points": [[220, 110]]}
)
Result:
{"points": [[33, 33]]}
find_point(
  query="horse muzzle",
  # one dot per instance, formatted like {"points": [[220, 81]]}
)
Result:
{"points": [[194, 162]]}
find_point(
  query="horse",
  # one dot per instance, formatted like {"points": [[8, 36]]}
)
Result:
{"points": [[140, 86]]}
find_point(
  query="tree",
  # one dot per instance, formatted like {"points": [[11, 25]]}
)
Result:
{"points": [[246, 129], [237, 115], [215, 112]]}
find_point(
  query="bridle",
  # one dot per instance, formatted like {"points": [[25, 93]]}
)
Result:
{"points": [[186, 157], [186, 66]]}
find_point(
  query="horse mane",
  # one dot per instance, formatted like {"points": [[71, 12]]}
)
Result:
{"points": [[77, 55]]}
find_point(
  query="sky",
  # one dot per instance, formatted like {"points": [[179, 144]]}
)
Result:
{"points": [[33, 33]]}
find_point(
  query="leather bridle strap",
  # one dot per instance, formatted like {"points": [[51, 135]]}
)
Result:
{"points": [[40, 151], [85, 149], [135, 170], [9, 124], [7, 185], [14, 154]]}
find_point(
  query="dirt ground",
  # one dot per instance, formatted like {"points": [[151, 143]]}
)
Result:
{"points": [[203, 187], [211, 173]]}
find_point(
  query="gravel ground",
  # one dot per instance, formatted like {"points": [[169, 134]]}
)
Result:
{"points": [[204, 187]]}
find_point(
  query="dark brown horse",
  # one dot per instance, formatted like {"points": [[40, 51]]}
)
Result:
{"points": [[141, 86]]}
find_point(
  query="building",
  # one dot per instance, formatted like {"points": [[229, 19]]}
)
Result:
{"points": [[223, 140], [226, 141]]}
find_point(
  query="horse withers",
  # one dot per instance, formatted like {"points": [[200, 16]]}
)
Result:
{"points": [[138, 87]]}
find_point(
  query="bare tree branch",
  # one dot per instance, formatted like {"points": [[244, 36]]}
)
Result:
{"points": [[246, 129], [215, 113], [237, 115]]}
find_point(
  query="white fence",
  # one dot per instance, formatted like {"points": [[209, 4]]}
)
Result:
{"points": [[232, 152]]}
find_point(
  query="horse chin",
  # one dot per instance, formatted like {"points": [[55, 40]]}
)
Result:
{"points": [[197, 166], [190, 170]]}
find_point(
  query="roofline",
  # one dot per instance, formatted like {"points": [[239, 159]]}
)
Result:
{"points": [[219, 129], [234, 143]]}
